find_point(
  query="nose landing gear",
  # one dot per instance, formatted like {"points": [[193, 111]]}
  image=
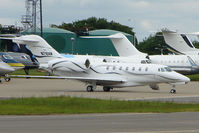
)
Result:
{"points": [[173, 91]]}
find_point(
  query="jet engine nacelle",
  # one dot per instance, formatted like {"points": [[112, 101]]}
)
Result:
{"points": [[72, 65], [154, 87]]}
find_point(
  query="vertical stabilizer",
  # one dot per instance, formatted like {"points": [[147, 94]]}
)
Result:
{"points": [[179, 43], [39, 47], [123, 46]]}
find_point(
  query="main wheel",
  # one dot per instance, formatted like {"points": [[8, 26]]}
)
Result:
{"points": [[106, 89], [89, 88], [173, 91], [7, 79]]}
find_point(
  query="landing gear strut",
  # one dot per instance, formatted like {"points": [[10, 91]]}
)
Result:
{"points": [[173, 89]]}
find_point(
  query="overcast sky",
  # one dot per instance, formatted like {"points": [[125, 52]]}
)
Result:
{"points": [[143, 15]]}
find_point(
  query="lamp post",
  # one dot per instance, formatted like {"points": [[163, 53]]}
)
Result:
{"points": [[72, 40]]}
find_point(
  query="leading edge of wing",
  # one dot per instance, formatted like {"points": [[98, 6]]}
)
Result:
{"points": [[85, 79]]}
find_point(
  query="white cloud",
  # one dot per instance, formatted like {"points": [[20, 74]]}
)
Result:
{"points": [[145, 24], [146, 14]]}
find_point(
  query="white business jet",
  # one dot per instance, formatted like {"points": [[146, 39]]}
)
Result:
{"points": [[184, 64], [96, 72]]}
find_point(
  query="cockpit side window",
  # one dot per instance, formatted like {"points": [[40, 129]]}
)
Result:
{"points": [[24, 57], [168, 69], [7, 57]]}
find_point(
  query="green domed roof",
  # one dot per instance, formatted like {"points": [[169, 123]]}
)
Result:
{"points": [[52, 30], [105, 32]]}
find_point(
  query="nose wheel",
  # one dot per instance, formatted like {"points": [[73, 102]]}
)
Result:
{"points": [[7, 78], [173, 91]]}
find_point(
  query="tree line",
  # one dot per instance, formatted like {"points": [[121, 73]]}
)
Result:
{"points": [[154, 44]]}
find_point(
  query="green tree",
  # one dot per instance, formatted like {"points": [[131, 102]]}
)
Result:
{"points": [[93, 23], [153, 45]]}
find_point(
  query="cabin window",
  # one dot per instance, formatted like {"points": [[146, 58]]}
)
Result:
{"points": [[133, 69], [140, 69], [158, 69], [146, 69], [120, 68], [113, 67], [107, 68], [127, 68]]}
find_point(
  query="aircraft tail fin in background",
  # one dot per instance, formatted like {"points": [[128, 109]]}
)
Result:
{"points": [[179, 43], [38, 46], [122, 45]]}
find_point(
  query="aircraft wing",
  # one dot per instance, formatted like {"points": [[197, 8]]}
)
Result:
{"points": [[83, 79], [21, 40]]}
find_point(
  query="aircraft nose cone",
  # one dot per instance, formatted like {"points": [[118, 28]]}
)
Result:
{"points": [[186, 79], [9, 70]]}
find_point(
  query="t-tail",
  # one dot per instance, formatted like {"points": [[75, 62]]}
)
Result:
{"points": [[179, 43], [39, 48], [122, 45]]}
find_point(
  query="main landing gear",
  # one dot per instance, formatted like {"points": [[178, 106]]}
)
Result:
{"points": [[89, 88], [107, 89], [173, 91], [6, 78], [92, 87]]}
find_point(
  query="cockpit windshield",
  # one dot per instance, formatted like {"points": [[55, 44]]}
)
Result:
{"points": [[145, 61], [168, 69], [165, 69]]}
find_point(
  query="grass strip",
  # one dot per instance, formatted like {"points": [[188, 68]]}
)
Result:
{"points": [[69, 105]]}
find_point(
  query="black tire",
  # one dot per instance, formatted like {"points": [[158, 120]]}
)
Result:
{"points": [[7, 79], [106, 89], [89, 88], [173, 91]]}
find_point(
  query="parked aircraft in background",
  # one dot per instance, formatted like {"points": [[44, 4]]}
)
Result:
{"points": [[10, 61], [179, 43], [4, 70], [21, 58], [185, 64], [96, 72]]}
